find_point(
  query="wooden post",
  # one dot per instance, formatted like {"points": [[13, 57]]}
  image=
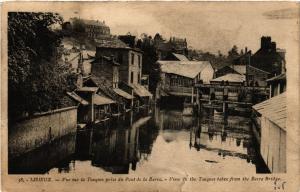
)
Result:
{"points": [[192, 95], [197, 100], [92, 108], [132, 99]]}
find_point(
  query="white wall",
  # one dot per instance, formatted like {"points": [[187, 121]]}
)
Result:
{"points": [[273, 146], [207, 74]]}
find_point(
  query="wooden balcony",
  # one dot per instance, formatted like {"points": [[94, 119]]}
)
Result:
{"points": [[176, 90]]}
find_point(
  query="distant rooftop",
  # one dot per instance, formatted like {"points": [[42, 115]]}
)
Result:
{"points": [[91, 22], [231, 77], [113, 42], [188, 69], [241, 69], [180, 57]]}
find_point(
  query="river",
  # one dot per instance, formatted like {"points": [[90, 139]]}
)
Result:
{"points": [[163, 142]]}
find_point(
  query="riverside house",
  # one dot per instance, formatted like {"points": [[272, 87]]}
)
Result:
{"points": [[178, 77], [130, 68], [269, 118]]}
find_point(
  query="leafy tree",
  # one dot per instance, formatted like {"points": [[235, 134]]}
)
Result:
{"points": [[149, 60], [78, 25], [37, 81], [233, 53]]}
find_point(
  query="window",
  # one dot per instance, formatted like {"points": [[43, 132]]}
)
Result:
{"points": [[132, 58], [250, 77], [131, 77], [139, 60]]}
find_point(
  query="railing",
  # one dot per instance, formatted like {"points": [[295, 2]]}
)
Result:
{"points": [[231, 87], [179, 89]]}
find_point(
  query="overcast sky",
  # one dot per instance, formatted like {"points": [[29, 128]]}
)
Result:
{"points": [[207, 26]]}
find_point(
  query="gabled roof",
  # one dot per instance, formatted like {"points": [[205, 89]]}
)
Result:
{"points": [[180, 57], [101, 100], [113, 42], [140, 90], [274, 109], [105, 87], [231, 77], [281, 77], [255, 68], [123, 93], [188, 69], [77, 98], [87, 89], [241, 69]]}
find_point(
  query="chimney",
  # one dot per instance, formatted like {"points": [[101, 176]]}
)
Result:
{"points": [[80, 63], [246, 50], [265, 42], [273, 46]]}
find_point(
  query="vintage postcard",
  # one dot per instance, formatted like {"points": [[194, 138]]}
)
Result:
{"points": [[150, 96]]}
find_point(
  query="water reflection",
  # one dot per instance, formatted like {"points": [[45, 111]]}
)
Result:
{"points": [[144, 143], [43, 159], [118, 145]]}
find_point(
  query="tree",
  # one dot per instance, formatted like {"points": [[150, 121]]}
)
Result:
{"points": [[78, 25], [233, 53], [37, 81], [149, 60]]}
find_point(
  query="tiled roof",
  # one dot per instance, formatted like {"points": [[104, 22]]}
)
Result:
{"points": [[278, 77], [101, 100], [274, 109], [180, 57], [111, 42], [188, 69], [231, 77], [77, 98], [104, 87], [123, 93]]}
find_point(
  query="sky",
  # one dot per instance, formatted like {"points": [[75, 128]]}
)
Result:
{"points": [[208, 26]]}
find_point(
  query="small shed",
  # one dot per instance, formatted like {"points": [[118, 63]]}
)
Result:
{"points": [[271, 115]]}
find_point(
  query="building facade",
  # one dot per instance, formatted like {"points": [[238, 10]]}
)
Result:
{"points": [[96, 29], [130, 69], [268, 57], [256, 77]]}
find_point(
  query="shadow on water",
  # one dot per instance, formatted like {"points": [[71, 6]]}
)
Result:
{"points": [[41, 160], [120, 145]]}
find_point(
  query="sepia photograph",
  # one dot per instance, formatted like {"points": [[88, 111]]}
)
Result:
{"points": [[152, 92]]}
